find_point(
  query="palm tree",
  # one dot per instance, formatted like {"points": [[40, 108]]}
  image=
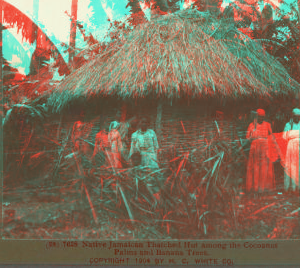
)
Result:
{"points": [[73, 27]]}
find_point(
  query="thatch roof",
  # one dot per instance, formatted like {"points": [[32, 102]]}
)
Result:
{"points": [[187, 54]]}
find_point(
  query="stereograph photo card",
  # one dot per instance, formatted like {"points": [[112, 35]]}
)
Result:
{"points": [[150, 132]]}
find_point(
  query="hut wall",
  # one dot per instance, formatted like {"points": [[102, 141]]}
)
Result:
{"points": [[188, 127]]}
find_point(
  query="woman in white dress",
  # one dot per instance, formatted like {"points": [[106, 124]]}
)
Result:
{"points": [[145, 142], [291, 134], [114, 139]]}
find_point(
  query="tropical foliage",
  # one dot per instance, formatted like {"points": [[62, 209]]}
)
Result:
{"points": [[196, 194]]}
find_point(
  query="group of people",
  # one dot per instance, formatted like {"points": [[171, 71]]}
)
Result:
{"points": [[113, 144], [260, 170], [260, 177]]}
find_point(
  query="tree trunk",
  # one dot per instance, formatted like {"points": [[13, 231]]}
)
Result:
{"points": [[73, 30], [36, 7], [38, 33]]}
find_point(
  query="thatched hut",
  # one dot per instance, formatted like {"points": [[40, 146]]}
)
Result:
{"points": [[180, 68]]}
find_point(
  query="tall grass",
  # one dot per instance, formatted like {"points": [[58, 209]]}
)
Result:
{"points": [[193, 188]]}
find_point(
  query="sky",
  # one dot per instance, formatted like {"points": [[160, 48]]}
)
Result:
{"points": [[51, 15]]}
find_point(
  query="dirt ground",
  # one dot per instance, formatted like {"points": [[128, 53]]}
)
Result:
{"points": [[64, 212]]}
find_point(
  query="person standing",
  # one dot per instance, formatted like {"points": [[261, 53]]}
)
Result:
{"points": [[101, 143], [145, 142], [80, 135], [144, 147], [115, 142], [260, 174], [124, 129], [291, 134], [77, 134], [82, 149]]}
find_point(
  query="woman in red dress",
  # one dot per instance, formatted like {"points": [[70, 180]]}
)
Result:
{"points": [[114, 139], [260, 174]]}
